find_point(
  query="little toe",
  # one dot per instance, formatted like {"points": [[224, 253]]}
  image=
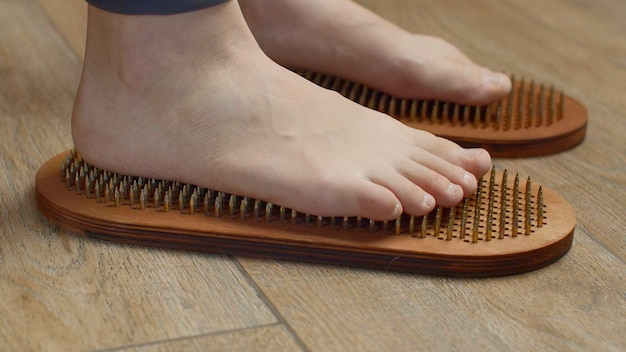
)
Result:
{"points": [[415, 200], [372, 200]]}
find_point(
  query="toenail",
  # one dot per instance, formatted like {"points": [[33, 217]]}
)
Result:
{"points": [[473, 152], [453, 189], [397, 211], [468, 178], [492, 78], [429, 201]]}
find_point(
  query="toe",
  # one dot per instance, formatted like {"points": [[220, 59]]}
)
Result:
{"points": [[458, 81], [476, 161], [414, 199], [444, 191], [375, 201], [467, 83]]}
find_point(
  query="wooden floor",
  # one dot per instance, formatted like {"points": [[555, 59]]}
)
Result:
{"points": [[62, 292]]}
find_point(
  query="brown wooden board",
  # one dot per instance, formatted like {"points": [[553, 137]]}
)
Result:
{"points": [[533, 120], [482, 236]]}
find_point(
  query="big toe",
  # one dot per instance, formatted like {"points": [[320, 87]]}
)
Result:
{"points": [[465, 82], [475, 160]]}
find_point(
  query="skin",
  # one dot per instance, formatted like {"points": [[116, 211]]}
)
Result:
{"points": [[341, 38], [171, 97]]}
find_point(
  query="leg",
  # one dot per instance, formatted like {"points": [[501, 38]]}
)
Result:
{"points": [[172, 97], [340, 37]]}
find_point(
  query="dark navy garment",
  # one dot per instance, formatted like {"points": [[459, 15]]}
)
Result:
{"points": [[152, 7]]}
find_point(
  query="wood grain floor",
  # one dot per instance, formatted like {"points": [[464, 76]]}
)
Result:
{"points": [[59, 292]]}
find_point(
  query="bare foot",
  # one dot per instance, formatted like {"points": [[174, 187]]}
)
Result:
{"points": [[341, 38], [170, 97]]}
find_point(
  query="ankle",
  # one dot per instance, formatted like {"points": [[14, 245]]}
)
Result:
{"points": [[135, 48]]}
